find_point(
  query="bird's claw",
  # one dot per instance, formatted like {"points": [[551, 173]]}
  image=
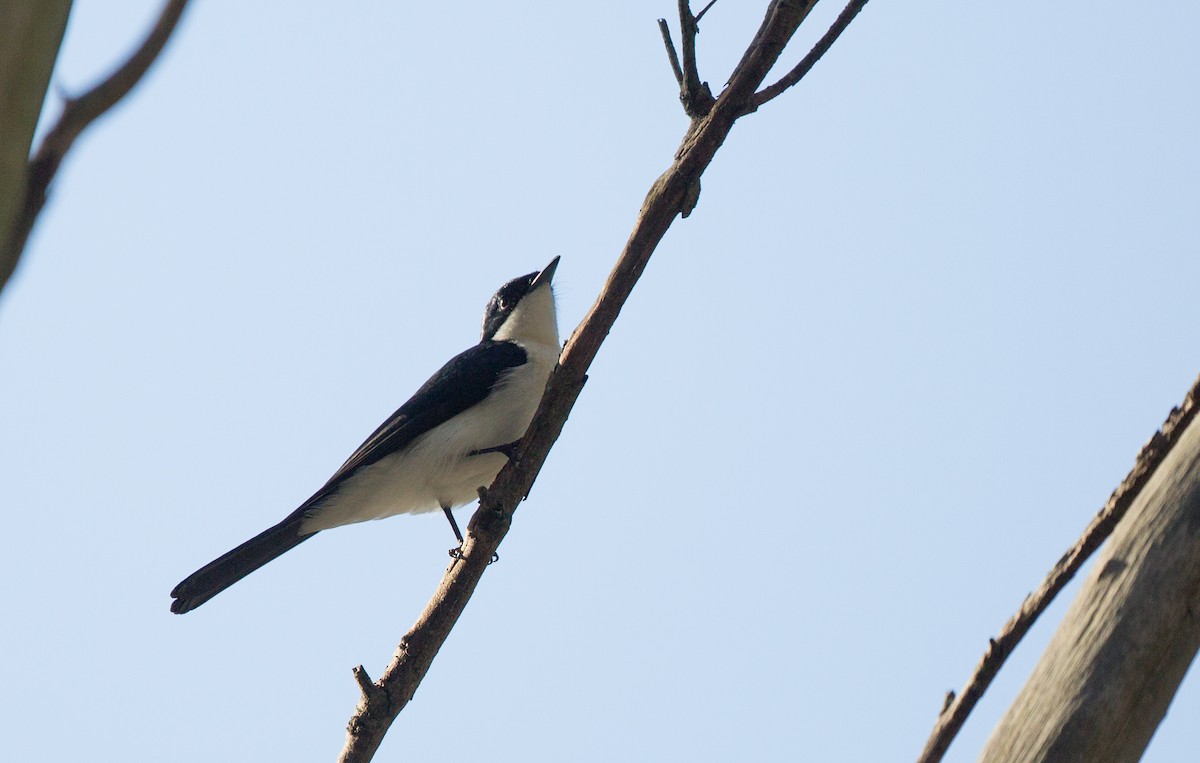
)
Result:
{"points": [[456, 554]]}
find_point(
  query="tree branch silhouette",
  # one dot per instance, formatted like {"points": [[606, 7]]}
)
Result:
{"points": [[78, 114]]}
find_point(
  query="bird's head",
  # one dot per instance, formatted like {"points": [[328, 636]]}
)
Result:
{"points": [[522, 311]]}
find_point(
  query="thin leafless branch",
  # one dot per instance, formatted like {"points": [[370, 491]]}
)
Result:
{"points": [[704, 10], [669, 196], [957, 708], [824, 44], [77, 114], [672, 56]]}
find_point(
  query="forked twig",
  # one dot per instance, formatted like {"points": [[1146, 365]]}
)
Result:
{"points": [[696, 97], [694, 94]]}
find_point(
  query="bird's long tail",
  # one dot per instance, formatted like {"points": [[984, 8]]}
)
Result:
{"points": [[224, 571]]}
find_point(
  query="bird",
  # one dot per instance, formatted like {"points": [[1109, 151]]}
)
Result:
{"points": [[452, 437]]}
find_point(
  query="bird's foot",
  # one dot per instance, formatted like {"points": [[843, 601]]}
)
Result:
{"points": [[456, 554]]}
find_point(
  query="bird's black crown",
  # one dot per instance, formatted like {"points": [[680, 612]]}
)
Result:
{"points": [[504, 301]]}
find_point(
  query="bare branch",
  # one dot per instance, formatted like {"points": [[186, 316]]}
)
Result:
{"points": [[824, 44], [704, 10], [364, 681], [955, 713], [754, 44], [671, 54], [667, 197], [77, 114], [696, 97]]}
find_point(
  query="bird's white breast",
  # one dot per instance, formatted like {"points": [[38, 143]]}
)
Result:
{"points": [[436, 469]]}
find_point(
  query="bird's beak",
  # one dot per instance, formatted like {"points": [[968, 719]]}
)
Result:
{"points": [[546, 276]]}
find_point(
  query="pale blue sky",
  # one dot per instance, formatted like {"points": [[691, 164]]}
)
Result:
{"points": [[929, 307]]}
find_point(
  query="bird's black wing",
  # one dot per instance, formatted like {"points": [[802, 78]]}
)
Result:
{"points": [[464, 381]]}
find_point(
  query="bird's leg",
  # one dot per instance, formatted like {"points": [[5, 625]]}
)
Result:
{"points": [[508, 449], [456, 552], [510, 452]]}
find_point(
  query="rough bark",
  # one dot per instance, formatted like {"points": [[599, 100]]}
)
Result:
{"points": [[1109, 674], [1153, 454]]}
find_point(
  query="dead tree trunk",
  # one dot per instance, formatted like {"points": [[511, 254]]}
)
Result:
{"points": [[1111, 670]]}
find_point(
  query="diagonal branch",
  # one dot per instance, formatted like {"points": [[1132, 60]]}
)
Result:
{"points": [[78, 114], [667, 197], [956, 709], [823, 45]]}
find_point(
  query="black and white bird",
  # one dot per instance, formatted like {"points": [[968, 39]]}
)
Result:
{"points": [[451, 438]]}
